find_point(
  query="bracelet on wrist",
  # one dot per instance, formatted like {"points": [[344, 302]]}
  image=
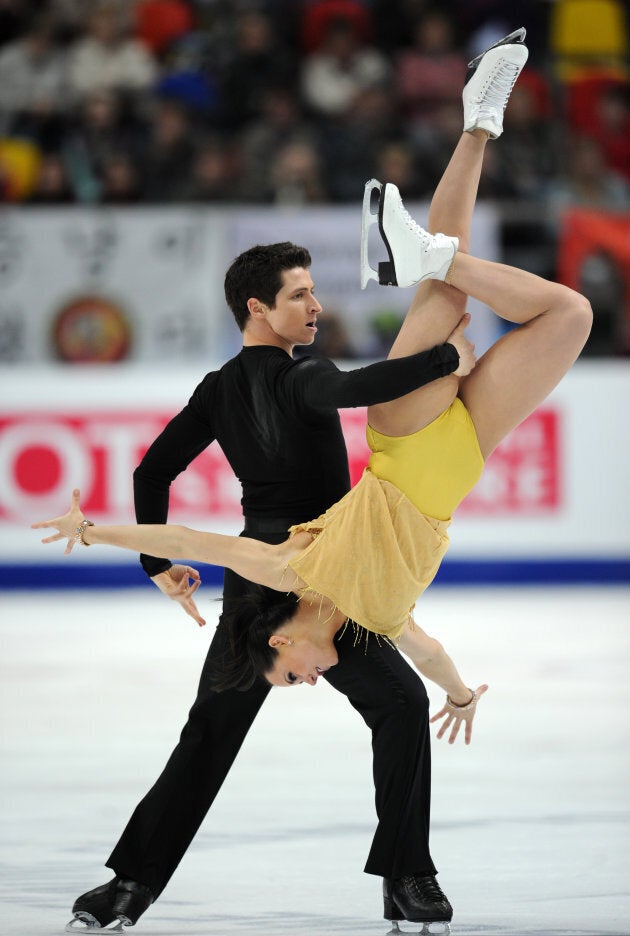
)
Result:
{"points": [[80, 530], [467, 705]]}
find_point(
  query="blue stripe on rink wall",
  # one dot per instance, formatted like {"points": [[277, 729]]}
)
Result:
{"points": [[454, 572]]}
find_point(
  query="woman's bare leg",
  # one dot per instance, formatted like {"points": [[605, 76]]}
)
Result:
{"points": [[516, 374], [436, 308]]}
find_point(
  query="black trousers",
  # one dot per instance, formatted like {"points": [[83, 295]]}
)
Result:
{"points": [[377, 682]]}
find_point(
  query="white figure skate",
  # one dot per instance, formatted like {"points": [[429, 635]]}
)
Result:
{"points": [[489, 85], [414, 254]]}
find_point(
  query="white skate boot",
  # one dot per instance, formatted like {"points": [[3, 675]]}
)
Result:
{"points": [[414, 254], [490, 83]]}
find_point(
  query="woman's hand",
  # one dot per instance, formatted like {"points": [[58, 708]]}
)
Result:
{"points": [[66, 526], [176, 584], [455, 716]]}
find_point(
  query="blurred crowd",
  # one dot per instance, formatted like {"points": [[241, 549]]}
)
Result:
{"points": [[300, 101]]}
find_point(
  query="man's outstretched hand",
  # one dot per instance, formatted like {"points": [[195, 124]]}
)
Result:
{"points": [[179, 583]]}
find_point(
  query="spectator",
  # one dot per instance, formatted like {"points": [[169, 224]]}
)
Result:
{"points": [[434, 145], [497, 182], [189, 75], [52, 186], [588, 181], [258, 61], [296, 176], [168, 159], [281, 121], [32, 80], [70, 17], [350, 144], [120, 184], [342, 66], [105, 124], [214, 173], [529, 146], [430, 73], [396, 162], [613, 127], [106, 57]]}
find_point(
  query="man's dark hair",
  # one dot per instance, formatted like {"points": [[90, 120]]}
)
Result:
{"points": [[257, 273], [251, 620]]}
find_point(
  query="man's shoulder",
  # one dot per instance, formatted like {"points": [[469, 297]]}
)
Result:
{"points": [[270, 357], [206, 386], [251, 364], [314, 362], [268, 363]]}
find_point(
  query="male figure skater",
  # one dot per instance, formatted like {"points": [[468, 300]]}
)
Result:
{"points": [[276, 420]]}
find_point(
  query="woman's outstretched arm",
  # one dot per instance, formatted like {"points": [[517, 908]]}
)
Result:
{"points": [[258, 562], [432, 660]]}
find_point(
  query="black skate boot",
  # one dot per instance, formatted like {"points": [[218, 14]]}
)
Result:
{"points": [[131, 900], [418, 899], [96, 909]]}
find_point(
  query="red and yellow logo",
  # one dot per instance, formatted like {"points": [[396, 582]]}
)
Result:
{"points": [[91, 329]]}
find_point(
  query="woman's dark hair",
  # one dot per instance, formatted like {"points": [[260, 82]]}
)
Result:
{"points": [[251, 620], [257, 273]]}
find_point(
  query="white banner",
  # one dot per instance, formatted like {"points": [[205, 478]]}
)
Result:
{"points": [[140, 285], [109, 285]]}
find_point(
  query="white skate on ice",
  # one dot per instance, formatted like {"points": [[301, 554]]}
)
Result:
{"points": [[414, 254]]}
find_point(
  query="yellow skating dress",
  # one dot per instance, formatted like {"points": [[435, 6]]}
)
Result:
{"points": [[377, 549]]}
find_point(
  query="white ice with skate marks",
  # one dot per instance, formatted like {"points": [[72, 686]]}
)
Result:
{"points": [[530, 823]]}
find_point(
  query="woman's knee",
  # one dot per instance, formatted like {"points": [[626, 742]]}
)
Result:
{"points": [[582, 314]]}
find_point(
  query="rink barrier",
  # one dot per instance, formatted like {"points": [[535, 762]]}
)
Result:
{"points": [[551, 507], [453, 573]]}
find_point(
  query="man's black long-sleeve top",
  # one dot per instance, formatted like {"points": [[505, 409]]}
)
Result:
{"points": [[276, 420]]}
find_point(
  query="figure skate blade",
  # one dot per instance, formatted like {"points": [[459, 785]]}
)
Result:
{"points": [[368, 218], [428, 929], [85, 926], [518, 36]]}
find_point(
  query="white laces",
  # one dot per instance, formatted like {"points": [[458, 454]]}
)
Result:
{"points": [[426, 238], [495, 93]]}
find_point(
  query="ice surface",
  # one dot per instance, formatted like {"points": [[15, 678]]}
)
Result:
{"points": [[530, 823]]}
